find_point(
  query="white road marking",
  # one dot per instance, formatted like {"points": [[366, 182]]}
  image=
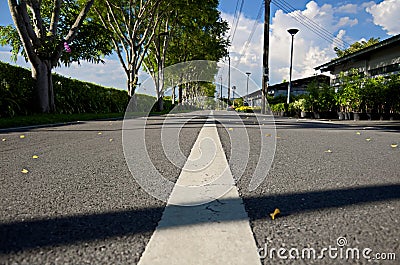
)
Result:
{"points": [[214, 233]]}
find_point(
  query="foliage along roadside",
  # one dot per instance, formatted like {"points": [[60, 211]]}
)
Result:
{"points": [[356, 93], [72, 96]]}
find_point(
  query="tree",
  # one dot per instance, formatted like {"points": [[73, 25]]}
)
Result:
{"points": [[199, 34], [44, 30], [355, 47], [348, 96], [189, 30], [320, 97], [392, 94], [131, 25]]}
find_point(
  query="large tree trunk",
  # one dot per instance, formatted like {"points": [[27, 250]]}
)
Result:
{"points": [[160, 104], [41, 73], [180, 94], [131, 83], [160, 90], [173, 94]]}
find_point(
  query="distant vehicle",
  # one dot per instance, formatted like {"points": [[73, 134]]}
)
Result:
{"points": [[246, 103]]}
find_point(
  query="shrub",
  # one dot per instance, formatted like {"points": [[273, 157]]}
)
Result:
{"points": [[71, 96], [278, 107], [244, 109], [16, 90]]}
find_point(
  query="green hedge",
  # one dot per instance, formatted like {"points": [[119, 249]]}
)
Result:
{"points": [[16, 91], [71, 96]]}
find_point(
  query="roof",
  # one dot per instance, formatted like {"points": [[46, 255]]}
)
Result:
{"points": [[361, 54], [300, 82], [295, 83]]}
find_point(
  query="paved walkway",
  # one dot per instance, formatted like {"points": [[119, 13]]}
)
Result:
{"points": [[201, 234]]}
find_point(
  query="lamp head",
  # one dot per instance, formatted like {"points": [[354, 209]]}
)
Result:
{"points": [[293, 31]]}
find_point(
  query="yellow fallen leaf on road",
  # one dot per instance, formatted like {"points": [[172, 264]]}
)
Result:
{"points": [[24, 171], [230, 129], [358, 133], [3, 140], [393, 145], [268, 135], [275, 213], [328, 151], [368, 139], [100, 133], [35, 157], [22, 136], [111, 140]]}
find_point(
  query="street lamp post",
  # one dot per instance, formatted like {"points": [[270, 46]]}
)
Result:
{"points": [[291, 32], [247, 93], [233, 95]]}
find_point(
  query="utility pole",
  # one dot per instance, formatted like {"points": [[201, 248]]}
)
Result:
{"points": [[220, 88], [229, 77], [220, 92], [247, 90], [265, 77]]}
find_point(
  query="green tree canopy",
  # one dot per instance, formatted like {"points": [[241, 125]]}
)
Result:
{"points": [[47, 32], [131, 25], [356, 46], [189, 30]]}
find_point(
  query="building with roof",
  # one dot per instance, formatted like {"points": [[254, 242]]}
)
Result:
{"points": [[382, 58], [299, 87]]}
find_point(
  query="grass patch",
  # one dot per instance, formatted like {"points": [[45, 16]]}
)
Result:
{"points": [[40, 119]]}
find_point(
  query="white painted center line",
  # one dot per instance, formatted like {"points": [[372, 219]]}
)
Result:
{"points": [[214, 233]]}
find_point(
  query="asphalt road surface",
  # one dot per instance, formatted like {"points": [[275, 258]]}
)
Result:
{"points": [[336, 184]]}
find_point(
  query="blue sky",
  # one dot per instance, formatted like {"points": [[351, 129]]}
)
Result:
{"points": [[363, 30], [347, 20]]}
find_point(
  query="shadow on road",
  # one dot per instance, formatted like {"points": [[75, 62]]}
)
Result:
{"points": [[388, 126], [64, 230]]}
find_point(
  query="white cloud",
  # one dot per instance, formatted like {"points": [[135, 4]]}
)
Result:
{"points": [[5, 56], [109, 74], [386, 15], [346, 21], [247, 58], [349, 8], [368, 4]]}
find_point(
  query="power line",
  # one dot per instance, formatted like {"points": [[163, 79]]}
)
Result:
{"points": [[300, 19], [315, 24], [237, 20], [254, 28], [234, 16], [309, 24]]}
